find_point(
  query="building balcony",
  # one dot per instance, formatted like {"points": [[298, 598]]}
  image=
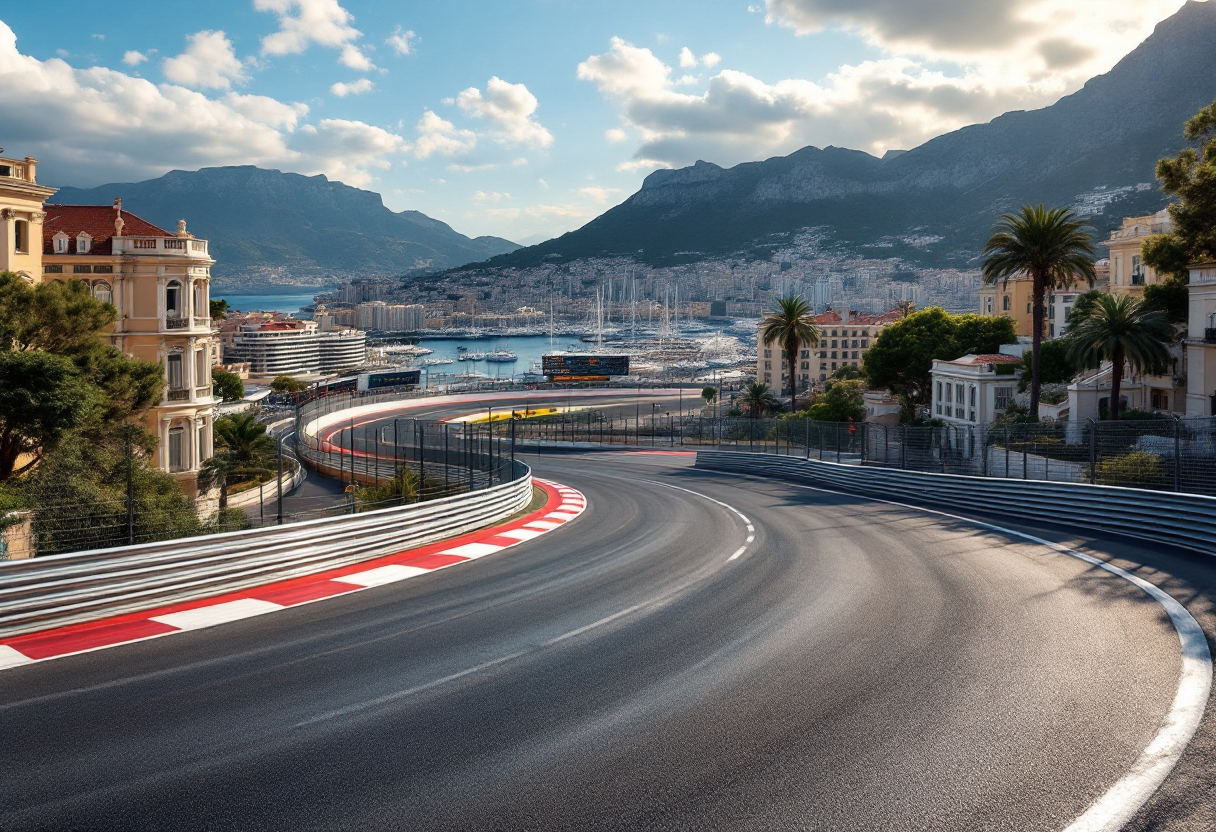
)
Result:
{"points": [[162, 247], [177, 394], [177, 323], [181, 324]]}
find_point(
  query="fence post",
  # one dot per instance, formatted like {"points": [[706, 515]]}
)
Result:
{"points": [[1177, 454], [130, 430], [447, 482], [279, 489], [837, 432], [984, 451], [468, 452], [808, 438]]}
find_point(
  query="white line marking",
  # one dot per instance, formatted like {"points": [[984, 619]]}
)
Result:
{"points": [[543, 525], [751, 538], [382, 575], [200, 617], [12, 657], [1121, 801], [473, 550], [522, 534]]}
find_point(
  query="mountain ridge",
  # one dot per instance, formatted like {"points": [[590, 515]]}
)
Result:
{"points": [[259, 218], [1107, 135]]}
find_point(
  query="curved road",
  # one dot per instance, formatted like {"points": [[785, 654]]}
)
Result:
{"points": [[855, 667]]}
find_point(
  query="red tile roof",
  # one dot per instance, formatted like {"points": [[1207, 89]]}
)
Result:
{"points": [[97, 221], [828, 318]]}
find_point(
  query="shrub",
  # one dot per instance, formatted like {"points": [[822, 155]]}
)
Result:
{"points": [[1135, 470]]}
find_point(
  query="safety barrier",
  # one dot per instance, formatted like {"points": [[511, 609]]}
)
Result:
{"points": [[1186, 520], [68, 589]]}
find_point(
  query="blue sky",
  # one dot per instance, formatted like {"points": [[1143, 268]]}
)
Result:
{"points": [[523, 119]]}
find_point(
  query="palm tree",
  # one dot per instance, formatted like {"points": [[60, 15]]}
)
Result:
{"points": [[1120, 329], [1049, 246], [792, 326], [758, 399], [243, 451]]}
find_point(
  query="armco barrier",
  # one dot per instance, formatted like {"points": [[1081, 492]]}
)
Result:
{"points": [[68, 589], [1187, 520]]}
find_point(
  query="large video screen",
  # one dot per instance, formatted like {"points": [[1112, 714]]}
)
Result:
{"points": [[585, 365], [399, 378]]}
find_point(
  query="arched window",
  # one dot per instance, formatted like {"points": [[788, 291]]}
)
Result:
{"points": [[102, 291], [173, 299], [84, 243]]}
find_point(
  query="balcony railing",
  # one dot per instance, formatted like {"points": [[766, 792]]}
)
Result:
{"points": [[178, 394], [202, 392], [178, 246], [177, 323]]}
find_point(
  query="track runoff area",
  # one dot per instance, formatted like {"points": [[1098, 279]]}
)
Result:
{"points": [[692, 651]]}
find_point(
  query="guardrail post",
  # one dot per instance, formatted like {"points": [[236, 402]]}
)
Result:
{"points": [[808, 438], [447, 483]]}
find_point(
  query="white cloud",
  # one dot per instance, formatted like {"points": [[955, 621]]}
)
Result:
{"points": [[402, 42], [687, 59], [616, 135], [711, 60], [927, 81], [687, 81], [99, 37], [359, 87], [351, 148], [483, 198], [134, 58], [437, 136], [303, 23], [209, 62], [510, 108], [128, 128], [600, 195]]}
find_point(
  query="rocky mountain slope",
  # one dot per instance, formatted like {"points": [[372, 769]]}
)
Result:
{"points": [[304, 224], [1106, 136]]}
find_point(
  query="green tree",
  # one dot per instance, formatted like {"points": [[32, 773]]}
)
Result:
{"points": [[840, 402], [758, 400], [1191, 177], [227, 385], [287, 384], [901, 358], [1083, 306], [79, 494], [846, 372], [1056, 366], [1121, 330], [1053, 249], [401, 490], [243, 452], [219, 309], [1170, 297], [710, 394], [43, 398], [791, 325]]}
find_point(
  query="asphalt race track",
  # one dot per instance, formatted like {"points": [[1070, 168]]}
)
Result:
{"points": [[857, 666]]}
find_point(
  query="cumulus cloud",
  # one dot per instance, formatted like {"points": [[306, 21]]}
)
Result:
{"points": [[359, 87], [209, 62], [510, 108], [616, 135], [303, 23], [438, 136], [687, 59], [134, 58], [128, 128], [493, 198], [926, 81], [402, 42], [711, 59]]}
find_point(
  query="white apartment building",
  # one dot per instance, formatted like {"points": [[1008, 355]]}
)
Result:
{"points": [[294, 348], [974, 389], [390, 317]]}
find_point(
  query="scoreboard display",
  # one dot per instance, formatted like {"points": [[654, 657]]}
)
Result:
{"points": [[394, 378], [584, 367]]}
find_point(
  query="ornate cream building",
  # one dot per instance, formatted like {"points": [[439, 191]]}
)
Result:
{"points": [[158, 280]]}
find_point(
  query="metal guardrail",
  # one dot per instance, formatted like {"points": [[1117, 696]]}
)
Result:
{"points": [[1186, 520], [67, 589]]}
